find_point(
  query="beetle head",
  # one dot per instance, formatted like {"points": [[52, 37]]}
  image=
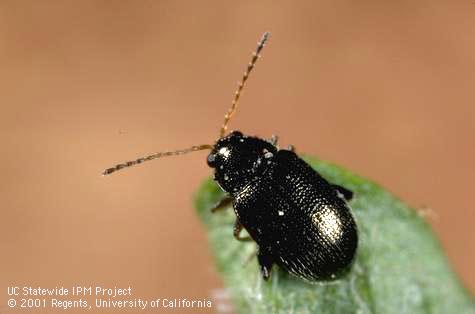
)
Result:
{"points": [[238, 159]]}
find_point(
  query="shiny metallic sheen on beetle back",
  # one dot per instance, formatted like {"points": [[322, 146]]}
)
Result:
{"points": [[299, 220]]}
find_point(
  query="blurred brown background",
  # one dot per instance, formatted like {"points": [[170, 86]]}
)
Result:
{"points": [[385, 88]]}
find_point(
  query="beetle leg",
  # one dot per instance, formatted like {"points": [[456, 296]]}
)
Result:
{"points": [[273, 139], [343, 192], [265, 263], [237, 230], [222, 204]]}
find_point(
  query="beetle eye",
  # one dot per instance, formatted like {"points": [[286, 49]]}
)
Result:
{"points": [[211, 160]]}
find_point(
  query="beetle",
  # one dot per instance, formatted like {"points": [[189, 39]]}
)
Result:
{"points": [[299, 220]]}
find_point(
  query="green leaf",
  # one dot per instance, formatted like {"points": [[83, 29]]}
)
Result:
{"points": [[399, 268]]}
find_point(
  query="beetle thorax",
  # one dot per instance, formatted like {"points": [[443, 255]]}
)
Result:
{"points": [[238, 159]]}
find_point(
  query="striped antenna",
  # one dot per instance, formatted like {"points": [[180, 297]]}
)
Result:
{"points": [[155, 156], [227, 117], [241, 84]]}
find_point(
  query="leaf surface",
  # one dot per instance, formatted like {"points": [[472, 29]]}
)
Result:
{"points": [[399, 268]]}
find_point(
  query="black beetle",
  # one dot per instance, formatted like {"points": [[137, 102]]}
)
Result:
{"points": [[299, 221]]}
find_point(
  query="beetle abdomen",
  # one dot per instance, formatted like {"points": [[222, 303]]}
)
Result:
{"points": [[326, 247], [297, 218]]}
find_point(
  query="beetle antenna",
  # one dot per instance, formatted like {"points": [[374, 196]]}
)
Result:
{"points": [[241, 84], [155, 156]]}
